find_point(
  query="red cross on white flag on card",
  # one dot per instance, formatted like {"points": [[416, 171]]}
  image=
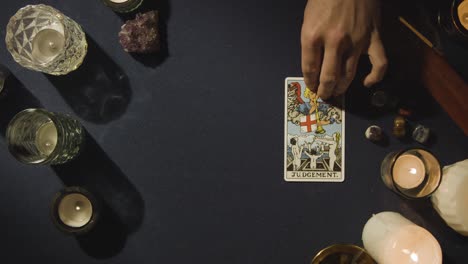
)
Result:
{"points": [[308, 123]]}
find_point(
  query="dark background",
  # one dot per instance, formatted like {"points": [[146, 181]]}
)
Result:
{"points": [[186, 147]]}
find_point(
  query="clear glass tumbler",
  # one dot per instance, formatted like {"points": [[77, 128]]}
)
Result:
{"points": [[41, 38], [36, 136], [411, 173]]}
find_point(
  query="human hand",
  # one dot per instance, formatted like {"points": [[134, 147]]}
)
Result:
{"points": [[334, 35]]}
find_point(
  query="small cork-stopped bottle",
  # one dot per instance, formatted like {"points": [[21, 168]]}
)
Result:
{"points": [[123, 6]]}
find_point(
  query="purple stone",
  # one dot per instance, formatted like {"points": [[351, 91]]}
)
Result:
{"points": [[141, 35]]}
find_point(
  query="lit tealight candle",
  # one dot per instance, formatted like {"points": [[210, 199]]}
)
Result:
{"points": [[47, 44], [408, 171], [412, 173], [119, 1], [75, 210], [463, 14], [392, 239], [46, 138]]}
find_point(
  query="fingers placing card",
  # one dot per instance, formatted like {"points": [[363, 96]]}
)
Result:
{"points": [[314, 135]]}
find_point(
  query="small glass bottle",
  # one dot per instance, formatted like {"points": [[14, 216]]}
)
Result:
{"points": [[36, 136], [41, 38], [123, 6]]}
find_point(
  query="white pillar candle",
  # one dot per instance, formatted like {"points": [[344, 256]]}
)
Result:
{"points": [[392, 239], [47, 44], [46, 138], [451, 199], [408, 171], [75, 210]]}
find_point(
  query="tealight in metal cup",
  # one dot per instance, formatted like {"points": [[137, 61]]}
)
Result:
{"points": [[75, 210]]}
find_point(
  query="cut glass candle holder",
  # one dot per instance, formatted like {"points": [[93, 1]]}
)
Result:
{"points": [[36, 136], [41, 38]]}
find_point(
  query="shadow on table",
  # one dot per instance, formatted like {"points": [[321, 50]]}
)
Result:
{"points": [[122, 207], [164, 9], [13, 99], [98, 91], [402, 81]]}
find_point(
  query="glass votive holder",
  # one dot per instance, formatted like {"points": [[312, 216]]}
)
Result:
{"points": [[75, 210], [343, 254], [412, 173], [123, 6], [36, 136], [41, 38], [390, 238]]}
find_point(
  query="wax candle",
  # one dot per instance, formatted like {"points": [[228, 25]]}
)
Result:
{"points": [[408, 171], [75, 210], [119, 1], [47, 44], [463, 14], [451, 199], [46, 138], [392, 239]]}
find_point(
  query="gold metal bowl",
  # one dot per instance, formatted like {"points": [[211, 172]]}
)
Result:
{"points": [[343, 254]]}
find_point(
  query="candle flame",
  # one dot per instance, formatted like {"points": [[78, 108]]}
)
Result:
{"points": [[78, 208], [413, 171], [52, 45]]}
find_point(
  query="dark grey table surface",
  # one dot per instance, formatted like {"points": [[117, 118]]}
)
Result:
{"points": [[186, 148]]}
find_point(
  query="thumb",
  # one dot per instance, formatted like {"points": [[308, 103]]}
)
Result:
{"points": [[378, 60]]}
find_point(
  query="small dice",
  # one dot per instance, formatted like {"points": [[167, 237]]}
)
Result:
{"points": [[399, 127]]}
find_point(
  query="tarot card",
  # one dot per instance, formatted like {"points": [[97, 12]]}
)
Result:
{"points": [[314, 136]]}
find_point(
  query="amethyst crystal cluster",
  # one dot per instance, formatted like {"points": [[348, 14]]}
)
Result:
{"points": [[141, 35]]}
